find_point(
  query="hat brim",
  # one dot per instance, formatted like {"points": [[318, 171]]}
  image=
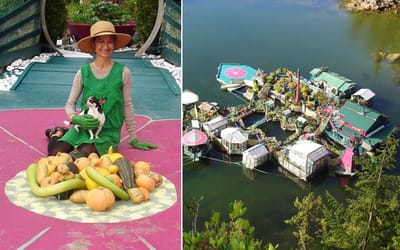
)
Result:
{"points": [[121, 40]]}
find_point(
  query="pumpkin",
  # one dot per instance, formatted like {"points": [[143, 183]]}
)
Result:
{"points": [[139, 171], [56, 175], [146, 182], [117, 180], [62, 168], [61, 158], [158, 179], [79, 196], [114, 178], [100, 199], [95, 162], [106, 161], [93, 155], [82, 162], [136, 195], [146, 193], [48, 181], [143, 165]]}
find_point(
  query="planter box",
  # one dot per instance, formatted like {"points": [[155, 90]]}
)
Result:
{"points": [[79, 31]]}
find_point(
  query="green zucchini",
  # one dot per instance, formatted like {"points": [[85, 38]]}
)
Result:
{"points": [[126, 172], [104, 182], [53, 189]]}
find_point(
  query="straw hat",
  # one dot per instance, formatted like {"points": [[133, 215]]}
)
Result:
{"points": [[103, 28]]}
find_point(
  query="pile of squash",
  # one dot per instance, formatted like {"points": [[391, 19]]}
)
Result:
{"points": [[95, 180]]}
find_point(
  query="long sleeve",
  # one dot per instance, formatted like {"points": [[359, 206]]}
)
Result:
{"points": [[129, 110], [76, 89]]}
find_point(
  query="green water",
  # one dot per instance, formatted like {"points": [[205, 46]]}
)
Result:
{"points": [[268, 34]]}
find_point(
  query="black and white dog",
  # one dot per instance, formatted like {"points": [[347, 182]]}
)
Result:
{"points": [[94, 109]]}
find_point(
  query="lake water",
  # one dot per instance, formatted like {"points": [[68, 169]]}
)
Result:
{"points": [[268, 34]]}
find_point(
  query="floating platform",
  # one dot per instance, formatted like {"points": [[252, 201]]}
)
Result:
{"points": [[233, 76]]}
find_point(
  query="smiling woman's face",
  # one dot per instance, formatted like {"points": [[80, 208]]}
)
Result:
{"points": [[104, 45]]}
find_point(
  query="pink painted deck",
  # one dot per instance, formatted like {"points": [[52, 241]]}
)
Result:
{"points": [[22, 142]]}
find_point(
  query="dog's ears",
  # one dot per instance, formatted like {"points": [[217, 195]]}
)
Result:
{"points": [[102, 101]]}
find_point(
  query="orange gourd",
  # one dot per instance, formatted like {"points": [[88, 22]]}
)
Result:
{"points": [[146, 182], [100, 199], [142, 166], [82, 162], [158, 179], [146, 193], [136, 195]]}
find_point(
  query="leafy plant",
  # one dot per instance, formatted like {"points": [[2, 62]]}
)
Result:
{"points": [[235, 234], [56, 18], [306, 220], [95, 10], [145, 13]]}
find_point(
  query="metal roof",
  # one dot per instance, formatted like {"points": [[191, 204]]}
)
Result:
{"points": [[256, 151], [359, 116], [234, 135], [332, 79], [312, 150], [365, 94]]}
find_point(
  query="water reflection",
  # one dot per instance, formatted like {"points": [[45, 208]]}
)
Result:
{"points": [[381, 34]]}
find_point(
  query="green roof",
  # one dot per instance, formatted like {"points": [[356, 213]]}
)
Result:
{"points": [[358, 116], [332, 79], [379, 137]]}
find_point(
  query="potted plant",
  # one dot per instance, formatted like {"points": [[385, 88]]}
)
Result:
{"points": [[82, 15]]}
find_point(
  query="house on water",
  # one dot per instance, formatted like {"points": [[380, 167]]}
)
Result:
{"points": [[195, 144], [358, 127], [363, 96], [334, 85], [214, 126], [255, 156], [234, 140], [304, 159]]}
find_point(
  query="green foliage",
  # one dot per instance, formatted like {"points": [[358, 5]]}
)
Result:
{"points": [[370, 217], [95, 10], [193, 207], [237, 233], [307, 220], [145, 13], [56, 18], [279, 88]]}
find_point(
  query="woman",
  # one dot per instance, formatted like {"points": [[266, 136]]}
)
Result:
{"points": [[102, 78]]}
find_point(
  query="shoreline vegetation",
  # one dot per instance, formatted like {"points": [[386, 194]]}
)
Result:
{"points": [[390, 7], [371, 5]]}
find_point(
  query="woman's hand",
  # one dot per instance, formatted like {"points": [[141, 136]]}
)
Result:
{"points": [[85, 121], [142, 145]]}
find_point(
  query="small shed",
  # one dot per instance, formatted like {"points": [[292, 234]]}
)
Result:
{"points": [[195, 144], [306, 159], [234, 140], [214, 126], [255, 156], [363, 96]]}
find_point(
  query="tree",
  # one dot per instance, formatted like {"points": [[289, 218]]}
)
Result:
{"points": [[371, 218], [237, 233], [307, 220], [368, 219]]}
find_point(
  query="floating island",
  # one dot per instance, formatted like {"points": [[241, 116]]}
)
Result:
{"points": [[328, 123]]}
